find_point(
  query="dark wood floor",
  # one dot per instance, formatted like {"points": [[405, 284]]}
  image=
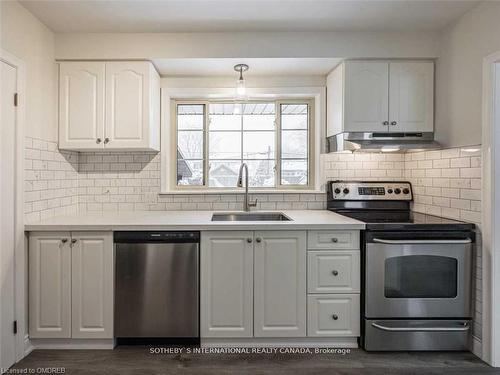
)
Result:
{"points": [[139, 361]]}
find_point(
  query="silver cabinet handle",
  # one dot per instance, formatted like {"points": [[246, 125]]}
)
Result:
{"points": [[465, 327], [335, 272], [335, 317], [258, 239], [106, 140], [410, 242], [385, 123], [249, 240], [64, 240], [393, 123], [335, 239], [98, 140]]}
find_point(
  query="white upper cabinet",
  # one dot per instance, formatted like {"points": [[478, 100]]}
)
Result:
{"points": [[81, 105], [411, 99], [366, 99], [109, 106], [380, 96]]}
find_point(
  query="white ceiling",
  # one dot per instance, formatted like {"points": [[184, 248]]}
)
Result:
{"points": [[245, 15], [258, 66]]}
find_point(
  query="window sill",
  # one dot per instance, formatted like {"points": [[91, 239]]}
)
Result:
{"points": [[241, 191]]}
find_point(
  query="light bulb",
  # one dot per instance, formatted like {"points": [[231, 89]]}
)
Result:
{"points": [[240, 87]]}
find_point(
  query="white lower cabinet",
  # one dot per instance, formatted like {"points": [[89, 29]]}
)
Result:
{"points": [[92, 285], [333, 315], [226, 284], [71, 285], [280, 284], [253, 284], [333, 271], [50, 285]]}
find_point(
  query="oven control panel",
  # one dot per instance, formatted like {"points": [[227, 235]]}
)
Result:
{"points": [[370, 190]]}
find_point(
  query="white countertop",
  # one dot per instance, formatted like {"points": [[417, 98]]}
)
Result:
{"points": [[190, 220]]}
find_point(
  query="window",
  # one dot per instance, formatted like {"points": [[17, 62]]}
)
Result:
{"points": [[271, 137]]}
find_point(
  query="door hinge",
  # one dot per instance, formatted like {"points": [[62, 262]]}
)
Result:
{"points": [[15, 99], [15, 327]]}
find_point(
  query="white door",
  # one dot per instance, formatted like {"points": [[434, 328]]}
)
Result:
{"points": [[280, 284], [127, 104], [226, 284], [366, 96], [411, 96], [7, 215], [50, 285], [92, 285], [81, 105]]}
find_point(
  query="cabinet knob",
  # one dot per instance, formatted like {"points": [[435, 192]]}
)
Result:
{"points": [[249, 240], [98, 140], [74, 240], [335, 273], [394, 123], [335, 317], [385, 123], [335, 239], [106, 140], [258, 239], [64, 240]]}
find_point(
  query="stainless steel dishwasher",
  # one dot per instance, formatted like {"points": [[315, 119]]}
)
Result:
{"points": [[157, 285]]}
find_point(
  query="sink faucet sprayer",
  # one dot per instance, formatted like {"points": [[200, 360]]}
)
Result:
{"points": [[246, 203]]}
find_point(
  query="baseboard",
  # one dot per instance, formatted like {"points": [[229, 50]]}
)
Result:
{"points": [[73, 343], [477, 347], [303, 342], [28, 347]]}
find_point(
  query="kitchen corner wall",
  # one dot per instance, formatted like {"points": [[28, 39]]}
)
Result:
{"points": [[445, 183]]}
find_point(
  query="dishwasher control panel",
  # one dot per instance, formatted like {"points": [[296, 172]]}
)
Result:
{"points": [[156, 236]]}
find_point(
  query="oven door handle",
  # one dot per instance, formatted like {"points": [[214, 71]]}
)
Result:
{"points": [[412, 242], [464, 327]]}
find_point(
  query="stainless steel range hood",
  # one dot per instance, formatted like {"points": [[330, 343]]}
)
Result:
{"points": [[382, 142]]}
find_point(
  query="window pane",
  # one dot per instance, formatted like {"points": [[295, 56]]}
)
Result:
{"points": [[223, 173], [261, 173], [259, 116], [190, 116], [258, 145], [294, 116], [189, 172], [294, 172], [225, 145], [190, 144], [294, 144], [224, 116]]}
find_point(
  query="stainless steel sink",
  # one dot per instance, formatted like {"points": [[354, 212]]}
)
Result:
{"points": [[250, 216]]}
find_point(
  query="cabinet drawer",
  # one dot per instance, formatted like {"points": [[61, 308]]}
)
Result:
{"points": [[333, 315], [333, 271], [332, 239]]}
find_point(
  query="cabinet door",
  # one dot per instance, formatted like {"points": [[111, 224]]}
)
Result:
{"points": [[92, 285], [81, 105], [333, 315], [411, 96], [129, 107], [226, 284], [366, 96], [333, 271], [280, 284], [49, 285]]}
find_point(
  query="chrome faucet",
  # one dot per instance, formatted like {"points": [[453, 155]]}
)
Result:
{"points": [[246, 203]]}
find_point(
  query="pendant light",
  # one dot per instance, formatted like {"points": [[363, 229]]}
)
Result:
{"points": [[240, 83]]}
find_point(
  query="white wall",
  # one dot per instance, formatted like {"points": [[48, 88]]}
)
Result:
{"points": [[28, 39], [459, 74], [240, 45]]}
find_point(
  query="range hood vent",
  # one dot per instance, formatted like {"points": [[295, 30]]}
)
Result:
{"points": [[382, 142]]}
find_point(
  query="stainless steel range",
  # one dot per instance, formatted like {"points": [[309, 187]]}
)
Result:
{"points": [[416, 269]]}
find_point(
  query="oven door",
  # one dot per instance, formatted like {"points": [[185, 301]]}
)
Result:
{"points": [[416, 275]]}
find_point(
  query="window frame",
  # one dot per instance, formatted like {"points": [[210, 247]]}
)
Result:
{"points": [[278, 187]]}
